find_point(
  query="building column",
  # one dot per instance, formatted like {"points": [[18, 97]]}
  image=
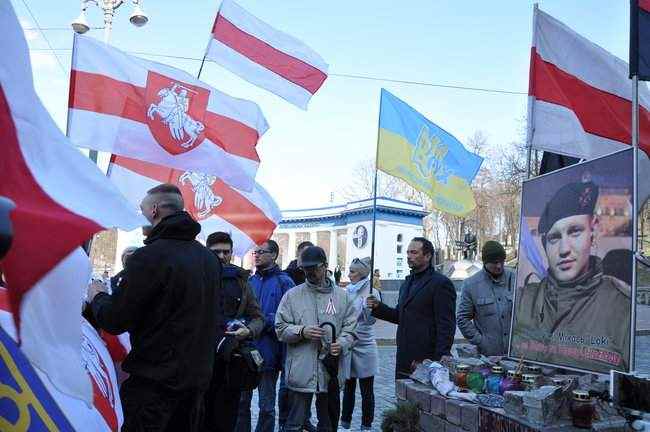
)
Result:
{"points": [[291, 246], [333, 249]]}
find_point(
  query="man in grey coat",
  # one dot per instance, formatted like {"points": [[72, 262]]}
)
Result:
{"points": [[299, 323], [485, 309]]}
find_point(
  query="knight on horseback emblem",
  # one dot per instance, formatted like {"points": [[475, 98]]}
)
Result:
{"points": [[173, 111], [204, 197]]}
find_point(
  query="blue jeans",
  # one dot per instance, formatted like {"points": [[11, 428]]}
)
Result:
{"points": [[266, 398]]}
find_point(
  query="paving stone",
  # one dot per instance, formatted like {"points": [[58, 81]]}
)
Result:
{"points": [[400, 388], [438, 403], [469, 417], [420, 395], [453, 411], [431, 423], [450, 427]]}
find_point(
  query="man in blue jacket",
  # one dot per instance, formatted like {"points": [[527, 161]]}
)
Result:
{"points": [[270, 284]]}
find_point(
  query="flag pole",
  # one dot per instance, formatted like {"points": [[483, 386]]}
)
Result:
{"points": [[636, 207], [198, 76], [374, 203], [531, 107]]}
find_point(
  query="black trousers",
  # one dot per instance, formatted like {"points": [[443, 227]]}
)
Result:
{"points": [[367, 400], [149, 407], [328, 410], [221, 403]]}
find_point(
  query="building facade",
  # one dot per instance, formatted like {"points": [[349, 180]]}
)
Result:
{"points": [[345, 232]]}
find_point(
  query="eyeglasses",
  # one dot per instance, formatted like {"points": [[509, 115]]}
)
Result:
{"points": [[221, 251], [261, 252]]}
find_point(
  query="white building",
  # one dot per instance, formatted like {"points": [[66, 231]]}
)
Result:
{"points": [[345, 232]]}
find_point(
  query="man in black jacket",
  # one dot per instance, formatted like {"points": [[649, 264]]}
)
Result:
{"points": [[169, 301], [425, 311], [293, 269], [239, 303]]}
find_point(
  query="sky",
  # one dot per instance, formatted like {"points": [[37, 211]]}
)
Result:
{"points": [[306, 156]]}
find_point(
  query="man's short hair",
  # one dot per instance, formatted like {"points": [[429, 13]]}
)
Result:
{"points": [[304, 244], [427, 246], [273, 247], [218, 237], [168, 196]]}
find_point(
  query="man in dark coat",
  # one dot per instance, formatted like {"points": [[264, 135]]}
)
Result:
{"points": [[239, 303], [168, 301], [425, 311], [294, 270]]}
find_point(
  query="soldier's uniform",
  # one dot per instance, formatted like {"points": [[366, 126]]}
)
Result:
{"points": [[580, 323]]}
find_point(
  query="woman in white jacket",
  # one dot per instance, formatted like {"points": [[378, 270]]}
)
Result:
{"points": [[361, 361]]}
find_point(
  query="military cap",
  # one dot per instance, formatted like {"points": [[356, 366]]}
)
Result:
{"points": [[571, 200]]}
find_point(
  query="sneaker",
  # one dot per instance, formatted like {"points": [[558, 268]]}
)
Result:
{"points": [[345, 425], [308, 427]]}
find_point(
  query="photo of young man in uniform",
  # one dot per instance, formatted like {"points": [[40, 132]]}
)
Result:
{"points": [[576, 315]]}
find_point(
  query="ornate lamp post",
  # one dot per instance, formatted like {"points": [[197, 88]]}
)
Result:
{"points": [[138, 18]]}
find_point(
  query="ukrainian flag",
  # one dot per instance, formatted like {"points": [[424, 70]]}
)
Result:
{"points": [[425, 156]]}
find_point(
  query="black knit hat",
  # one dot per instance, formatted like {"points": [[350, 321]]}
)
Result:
{"points": [[493, 252]]}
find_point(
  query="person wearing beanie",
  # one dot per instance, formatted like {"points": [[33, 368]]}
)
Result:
{"points": [[360, 363], [485, 309]]}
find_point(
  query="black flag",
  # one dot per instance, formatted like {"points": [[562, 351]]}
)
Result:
{"points": [[640, 39], [554, 161]]}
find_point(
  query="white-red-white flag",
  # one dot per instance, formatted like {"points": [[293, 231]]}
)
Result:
{"points": [[105, 413], [264, 56], [61, 199], [249, 217], [132, 107], [580, 95]]}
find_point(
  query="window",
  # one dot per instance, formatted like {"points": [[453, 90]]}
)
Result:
{"points": [[400, 261], [400, 274], [399, 238], [399, 248]]}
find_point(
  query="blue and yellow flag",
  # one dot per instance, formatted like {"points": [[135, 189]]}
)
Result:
{"points": [[425, 156], [25, 404]]}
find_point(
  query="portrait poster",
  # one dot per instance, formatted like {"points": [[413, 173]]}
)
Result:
{"points": [[573, 297]]}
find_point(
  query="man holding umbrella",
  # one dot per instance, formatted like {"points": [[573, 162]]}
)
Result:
{"points": [[317, 321]]}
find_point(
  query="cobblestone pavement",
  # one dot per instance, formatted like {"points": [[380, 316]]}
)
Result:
{"points": [[385, 385], [384, 392]]}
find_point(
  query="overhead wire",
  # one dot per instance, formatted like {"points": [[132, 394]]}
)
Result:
{"points": [[343, 75], [58, 60]]}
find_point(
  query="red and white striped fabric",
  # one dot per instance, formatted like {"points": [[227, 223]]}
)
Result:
{"points": [[105, 413], [128, 106], [61, 199], [580, 95], [249, 217], [264, 56]]}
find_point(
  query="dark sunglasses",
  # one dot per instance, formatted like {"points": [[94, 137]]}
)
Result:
{"points": [[261, 252]]}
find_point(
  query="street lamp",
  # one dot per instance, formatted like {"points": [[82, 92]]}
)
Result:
{"points": [[138, 18]]}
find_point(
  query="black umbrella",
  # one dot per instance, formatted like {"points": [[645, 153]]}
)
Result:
{"points": [[331, 362]]}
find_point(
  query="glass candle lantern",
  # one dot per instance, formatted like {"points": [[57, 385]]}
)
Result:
{"points": [[530, 382], [460, 378], [512, 382], [493, 382], [532, 370], [582, 409], [476, 382]]}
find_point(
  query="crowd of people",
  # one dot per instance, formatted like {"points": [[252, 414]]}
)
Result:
{"points": [[205, 334]]}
